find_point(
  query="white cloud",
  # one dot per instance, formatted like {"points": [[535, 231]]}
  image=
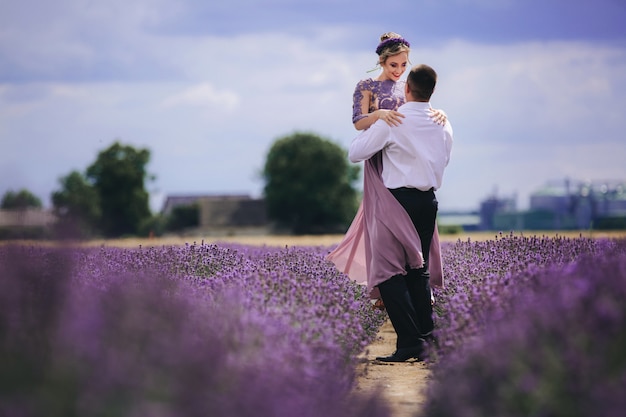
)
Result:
{"points": [[203, 95], [527, 113], [522, 113], [539, 88]]}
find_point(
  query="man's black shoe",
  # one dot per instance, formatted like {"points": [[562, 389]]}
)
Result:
{"points": [[402, 355]]}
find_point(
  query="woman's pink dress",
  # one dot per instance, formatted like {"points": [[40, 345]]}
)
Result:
{"points": [[382, 241]]}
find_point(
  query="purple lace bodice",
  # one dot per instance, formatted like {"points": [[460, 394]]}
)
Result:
{"points": [[386, 94]]}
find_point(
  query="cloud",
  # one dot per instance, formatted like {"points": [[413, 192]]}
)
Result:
{"points": [[80, 41], [209, 105], [203, 95], [538, 88], [527, 113]]}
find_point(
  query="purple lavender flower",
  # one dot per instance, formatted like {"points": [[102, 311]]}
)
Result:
{"points": [[180, 331], [540, 340]]}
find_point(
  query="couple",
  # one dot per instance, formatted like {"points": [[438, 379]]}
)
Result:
{"points": [[405, 154]]}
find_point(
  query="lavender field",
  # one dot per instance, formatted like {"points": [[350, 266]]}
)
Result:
{"points": [[526, 326]]}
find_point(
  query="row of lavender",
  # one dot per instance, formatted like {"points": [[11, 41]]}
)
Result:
{"points": [[531, 327], [526, 326], [180, 331]]}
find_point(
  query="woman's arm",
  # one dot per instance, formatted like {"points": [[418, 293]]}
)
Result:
{"points": [[391, 117], [363, 119]]}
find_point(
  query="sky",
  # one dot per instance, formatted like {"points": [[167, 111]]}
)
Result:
{"points": [[535, 90]]}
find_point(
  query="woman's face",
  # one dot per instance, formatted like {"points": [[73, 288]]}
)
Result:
{"points": [[394, 66]]}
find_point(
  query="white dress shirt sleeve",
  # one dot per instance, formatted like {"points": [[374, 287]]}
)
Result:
{"points": [[370, 141], [449, 140]]}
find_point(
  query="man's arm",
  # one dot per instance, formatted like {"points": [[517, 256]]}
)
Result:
{"points": [[368, 142], [449, 140]]}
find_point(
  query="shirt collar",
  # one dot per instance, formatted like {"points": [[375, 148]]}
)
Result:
{"points": [[417, 105]]}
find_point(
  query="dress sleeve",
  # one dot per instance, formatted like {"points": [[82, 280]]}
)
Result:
{"points": [[357, 112]]}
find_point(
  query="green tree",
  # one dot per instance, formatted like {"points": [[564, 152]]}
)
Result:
{"points": [[183, 217], [308, 184], [77, 206], [119, 176], [20, 200]]}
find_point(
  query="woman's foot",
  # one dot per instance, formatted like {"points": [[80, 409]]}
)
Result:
{"points": [[379, 305]]}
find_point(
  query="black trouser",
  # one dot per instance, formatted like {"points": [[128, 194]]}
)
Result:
{"points": [[407, 297]]}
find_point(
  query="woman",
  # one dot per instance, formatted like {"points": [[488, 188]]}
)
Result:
{"points": [[358, 255], [379, 98]]}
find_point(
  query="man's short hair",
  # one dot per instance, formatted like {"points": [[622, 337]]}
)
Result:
{"points": [[422, 80]]}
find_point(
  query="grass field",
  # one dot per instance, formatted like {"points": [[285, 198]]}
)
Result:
{"points": [[327, 240]]}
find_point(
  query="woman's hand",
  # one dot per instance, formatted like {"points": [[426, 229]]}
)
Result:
{"points": [[438, 116], [391, 117]]}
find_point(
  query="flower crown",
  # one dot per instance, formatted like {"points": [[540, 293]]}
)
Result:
{"points": [[391, 42]]}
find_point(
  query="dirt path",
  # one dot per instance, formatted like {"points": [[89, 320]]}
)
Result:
{"points": [[401, 384]]}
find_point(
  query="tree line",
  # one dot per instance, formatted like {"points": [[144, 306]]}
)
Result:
{"points": [[309, 188]]}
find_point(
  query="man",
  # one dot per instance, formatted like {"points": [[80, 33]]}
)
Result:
{"points": [[414, 156]]}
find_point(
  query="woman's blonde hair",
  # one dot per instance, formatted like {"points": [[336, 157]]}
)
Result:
{"points": [[391, 44]]}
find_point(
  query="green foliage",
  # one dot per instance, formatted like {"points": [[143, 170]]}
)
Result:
{"points": [[25, 232], [153, 226], [308, 184], [610, 223], [119, 176], [452, 229], [183, 217], [19, 200], [77, 206], [110, 199]]}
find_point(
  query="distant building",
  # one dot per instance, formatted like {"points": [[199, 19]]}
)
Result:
{"points": [[581, 204], [562, 205], [26, 223], [30, 217], [178, 201], [493, 206], [224, 214]]}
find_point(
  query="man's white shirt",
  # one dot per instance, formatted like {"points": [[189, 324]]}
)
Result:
{"points": [[415, 153]]}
